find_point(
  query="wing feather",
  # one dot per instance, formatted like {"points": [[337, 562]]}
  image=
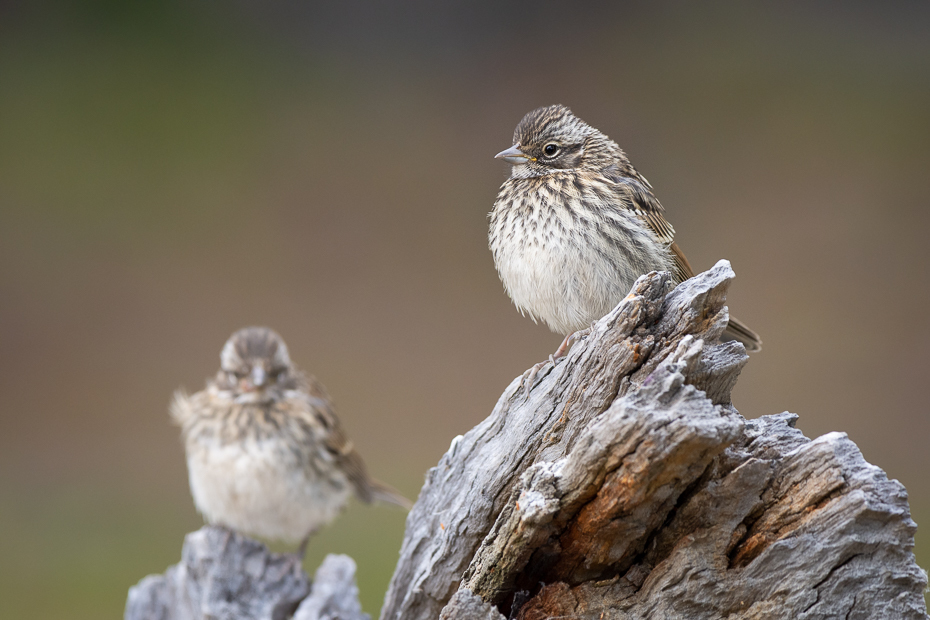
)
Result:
{"points": [[337, 443], [635, 193]]}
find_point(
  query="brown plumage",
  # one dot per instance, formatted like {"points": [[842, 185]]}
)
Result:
{"points": [[266, 453], [576, 224]]}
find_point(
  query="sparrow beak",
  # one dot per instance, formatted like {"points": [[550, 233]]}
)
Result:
{"points": [[514, 155], [258, 376]]}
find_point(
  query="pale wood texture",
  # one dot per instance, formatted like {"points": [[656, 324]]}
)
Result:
{"points": [[624, 484], [225, 576]]}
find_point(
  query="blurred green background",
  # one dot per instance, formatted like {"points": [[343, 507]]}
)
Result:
{"points": [[170, 172]]}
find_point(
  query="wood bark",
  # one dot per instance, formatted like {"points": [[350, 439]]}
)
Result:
{"points": [[624, 484]]}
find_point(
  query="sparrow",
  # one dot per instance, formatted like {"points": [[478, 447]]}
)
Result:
{"points": [[576, 224], [266, 454]]}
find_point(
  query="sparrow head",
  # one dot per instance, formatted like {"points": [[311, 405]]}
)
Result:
{"points": [[255, 361], [552, 138]]}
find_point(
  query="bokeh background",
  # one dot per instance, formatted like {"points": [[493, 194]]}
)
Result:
{"points": [[172, 171]]}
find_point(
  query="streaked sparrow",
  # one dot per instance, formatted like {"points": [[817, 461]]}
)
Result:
{"points": [[575, 225]]}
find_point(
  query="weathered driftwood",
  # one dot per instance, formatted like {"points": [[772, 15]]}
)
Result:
{"points": [[625, 485], [333, 594], [225, 576]]}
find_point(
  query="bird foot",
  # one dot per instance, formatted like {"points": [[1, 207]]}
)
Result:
{"points": [[302, 549], [566, 345], [228, 533], [529, 377]]}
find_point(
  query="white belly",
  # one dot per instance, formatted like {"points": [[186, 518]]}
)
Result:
{"points": [[259, 488], [566, 271], [557, 285]]}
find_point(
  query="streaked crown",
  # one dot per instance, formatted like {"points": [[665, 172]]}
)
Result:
{"points": [[551, 138], [554, 122]]}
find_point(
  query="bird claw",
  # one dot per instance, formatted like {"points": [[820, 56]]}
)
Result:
{"points": [[529, 377], [566, 345], [302, 549], [228, 535]]}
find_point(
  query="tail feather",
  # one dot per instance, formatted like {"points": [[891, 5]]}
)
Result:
{"points": [[381, 492], [736, 330]]}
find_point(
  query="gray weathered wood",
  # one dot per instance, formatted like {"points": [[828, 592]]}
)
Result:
{"points": [[225, 576], [333, 594], [624, 484], [465, 604]]}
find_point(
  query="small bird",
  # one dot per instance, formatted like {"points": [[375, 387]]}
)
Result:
{"points": [[575, 225], [266, 454]]}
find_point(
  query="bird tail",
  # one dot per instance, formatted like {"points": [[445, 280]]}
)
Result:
{"points": [[736, 330], [381, 492]]}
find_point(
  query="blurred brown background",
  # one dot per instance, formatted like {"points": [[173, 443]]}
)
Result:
{"points": [[170, 172]]}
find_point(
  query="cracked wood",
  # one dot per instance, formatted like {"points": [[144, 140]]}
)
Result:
{"points": [[624, 484]]}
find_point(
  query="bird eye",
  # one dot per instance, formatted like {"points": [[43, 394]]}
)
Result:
{"points": [[551, 149]]}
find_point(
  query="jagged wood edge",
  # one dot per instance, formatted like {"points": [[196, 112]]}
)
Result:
{"points": [[472, 484], [779, 527], [223, 574], [771, 487]]}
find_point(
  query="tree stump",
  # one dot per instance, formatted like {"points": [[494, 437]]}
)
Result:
{"points": [[623, 484]]}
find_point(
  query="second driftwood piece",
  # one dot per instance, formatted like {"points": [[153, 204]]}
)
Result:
{"points": [[226, 576], [625, 485]]}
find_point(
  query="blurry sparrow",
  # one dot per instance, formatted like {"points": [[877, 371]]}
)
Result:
{"points": [[265, 452]]}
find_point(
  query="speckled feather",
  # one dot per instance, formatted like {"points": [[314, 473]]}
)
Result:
{"points": [[571, 230]]}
